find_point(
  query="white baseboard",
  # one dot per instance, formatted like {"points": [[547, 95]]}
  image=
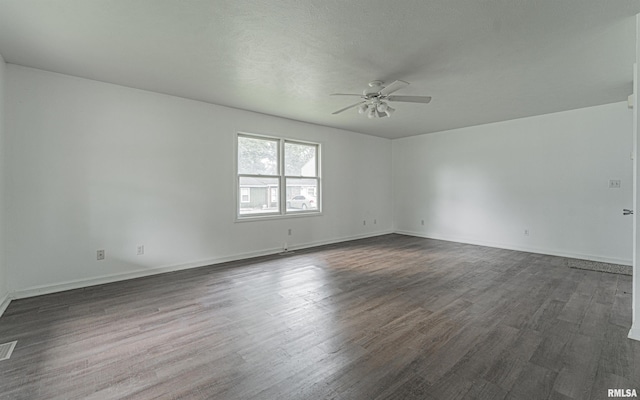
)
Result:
{"points": [[4, 303], [101, 280], [340, 240], [526, 249], [634, 333]]}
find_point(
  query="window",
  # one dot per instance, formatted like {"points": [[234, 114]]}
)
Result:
{"points": [[270, 169]]}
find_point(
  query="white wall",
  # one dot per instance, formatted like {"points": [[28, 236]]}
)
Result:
{"points": [[548, 174], [99, 166], [4, 300]]}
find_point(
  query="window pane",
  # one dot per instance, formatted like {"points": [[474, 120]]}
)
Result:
{"points": [[300, 159], [257, 195], [257, 156], [302, 194]]}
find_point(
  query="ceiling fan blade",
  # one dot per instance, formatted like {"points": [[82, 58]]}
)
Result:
{"points": [[348, 107], [397, 85], [410, 99], [345, 94]]}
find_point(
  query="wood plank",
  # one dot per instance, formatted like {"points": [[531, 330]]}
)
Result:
{"points": [[534, 382], [580, 363]]}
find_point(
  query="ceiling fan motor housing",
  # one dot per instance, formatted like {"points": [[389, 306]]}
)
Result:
{"points": [[373, 89]]}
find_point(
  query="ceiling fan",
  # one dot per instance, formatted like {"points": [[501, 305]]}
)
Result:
{"points": [[375, 99]]}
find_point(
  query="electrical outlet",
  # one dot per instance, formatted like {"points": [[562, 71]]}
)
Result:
{"points": [[422, 222], [364, 222], [140, 249], [614, 184], [375, 221], [100, 255], [289, 231], [526, 232]]}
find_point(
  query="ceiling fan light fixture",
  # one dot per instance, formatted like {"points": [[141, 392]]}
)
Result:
{"points": [[390, 110], [382, 107], [362, 109], [372, 112]]}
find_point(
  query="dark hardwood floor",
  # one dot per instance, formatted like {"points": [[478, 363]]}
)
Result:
{"points": [[393, 317]]}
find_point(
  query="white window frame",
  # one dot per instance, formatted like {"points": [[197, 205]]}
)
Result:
{"points": [[282, 180]]}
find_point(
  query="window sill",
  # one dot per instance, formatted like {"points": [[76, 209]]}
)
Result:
{"points": [[300, 214]]}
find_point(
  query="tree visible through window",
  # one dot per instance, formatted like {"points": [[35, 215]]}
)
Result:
{"points": [[270, 169]]}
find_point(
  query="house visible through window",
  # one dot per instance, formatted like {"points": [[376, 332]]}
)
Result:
{"points": [[245, 195], [270, 169]]}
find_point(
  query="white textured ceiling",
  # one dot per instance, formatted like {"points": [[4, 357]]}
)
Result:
{"points": [[481, 60]]}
